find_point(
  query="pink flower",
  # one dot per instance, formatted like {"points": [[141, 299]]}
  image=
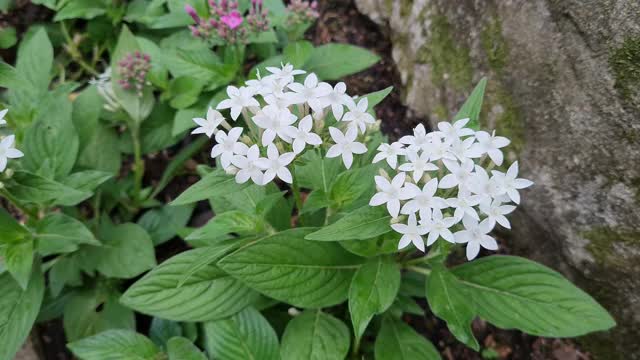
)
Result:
{"points": [[232, 20]]}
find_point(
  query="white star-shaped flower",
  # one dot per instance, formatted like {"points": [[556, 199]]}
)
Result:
{"points": [[239, 98], [7, 151], [509, 183], [452, 132], [389, 153], [461, 149], [208, 126], [275, 122], [310, 92], [357, 116], [460, 175], [345, 145], [418, 164], [438, 226], [481, 184], [419, 140], [302, 135], [490, 145], [475, 236], [411, 233], [2, 114], [286, 72], [423, 201], [391, 192], [464, 204], [276, 165], [247, 166], [337, 98], [496, 212], [438, 149], [228, 145]]}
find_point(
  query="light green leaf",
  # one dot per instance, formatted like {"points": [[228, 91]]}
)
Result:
{"points": [[516, 293], [263, 37], [318, 173], [472, 106], [94, 156], [30, 188], [11, 230], [245, 335], [226, 223], [398, 341], [80, 9], [163, 223], [18, 311], [35, 59], [89, 312], [87, 180], [9, 77], [379, 245], [315, 335], [65, 271], [115, 345], [179, 348], [86, 113], [58, 233], [184, 91], [8, 37], [286, 267], [328, 61], [216, 183], [298, 53], [189, 287], [18, 259], [373, 289], [365, 223], [449, 301], [376, 97], [353, 188]]}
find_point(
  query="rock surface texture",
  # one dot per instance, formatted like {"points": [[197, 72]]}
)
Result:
{"points": [[564, 85]]}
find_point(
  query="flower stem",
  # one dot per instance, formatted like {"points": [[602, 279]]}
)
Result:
{"points": [[138, 163], [419, 270]]}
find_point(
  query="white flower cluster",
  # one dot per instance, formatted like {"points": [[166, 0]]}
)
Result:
{"points": [[283, 118], [7, 149], [443, 185]]}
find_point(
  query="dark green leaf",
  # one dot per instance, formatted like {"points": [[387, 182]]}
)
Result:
{"points": [[163, 223], [65, 271], [329, 61], [365, 223], [180, 348], [11, 230], [376, 97], [58, 233], [162, 330], [18, 259], [89, 312], [214, 184], [80, 9], [115, 345], [471, 108], [314, 335], [398, 341], [8, 37], [226, 223]]}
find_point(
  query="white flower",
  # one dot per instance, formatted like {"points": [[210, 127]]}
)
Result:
{"points": [[439, 226], [337, 98], [239, 98], [276, 165], [389, 153], [419, 140], [302, 135], [411, 233], [228, 145], [208, 126], [510, 184], [418, 164], [310, 92], [464, 204], [453, 132], [7, 151], [265, 85], [248, 167], [286, 72], [357, 116], [481, 184], [274, 121], [439, 149], [390, 193], [496, 212], [461, 149], [105, 90], [278, 100], [346, 145], [423, 201], [490, 145], [475, 236], [2, 114], [460, 174]]}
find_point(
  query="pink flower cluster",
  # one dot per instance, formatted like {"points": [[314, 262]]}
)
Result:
{"points": [[133, 69], [227, 23], [301, 12]]}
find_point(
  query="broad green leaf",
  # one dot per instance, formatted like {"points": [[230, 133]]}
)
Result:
{"points": [[245, 335], [263, 37], [158, 75], [298, 53], [179, 348], [286, 267], [8, 37], [189, 287], [373, 289], [86, 113], [226, 223], [183, 119], [18, 259], [30, 188], [163, 223], [516, 293], [405, 304], [80, 9], [472, 106], [214, 184], [9, 77], [318, 173], [353, 188], [315, 201], [58, 233], [379, 245], [162, 330], [449, 301], [89, 312], [314, 335], [398, 341], [11, 230], [328, 61], [413, 284], [115, 345], [65, 271], [376, 97], [18, 311], [184, 91], [94, 156], [201, 63], [35, 59], [365, 223], [87, 180]]}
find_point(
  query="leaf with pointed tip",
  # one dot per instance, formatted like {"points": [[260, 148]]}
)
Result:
{"points": [[115, 345], [398, 341], [179, 348], [364, 223], [315, 335], [472, 106], [216, 183]]}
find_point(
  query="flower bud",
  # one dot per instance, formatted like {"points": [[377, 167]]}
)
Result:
{"points": [[231, 170]]}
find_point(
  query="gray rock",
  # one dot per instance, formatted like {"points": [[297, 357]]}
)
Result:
{"points": [[564, 85]]}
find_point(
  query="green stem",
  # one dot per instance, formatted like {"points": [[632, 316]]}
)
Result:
{"points": [[418, 269], [138, 163], [355, 349]]}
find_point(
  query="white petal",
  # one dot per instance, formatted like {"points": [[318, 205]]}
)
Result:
{"points": [[473, 248], [284, 174], [347, 158], [418, 242], [393, 206], [488, 242], [378, 199], [334, 151], [404, 241]]}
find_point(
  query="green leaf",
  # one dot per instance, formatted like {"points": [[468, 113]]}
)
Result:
{"points": [[80, 9], [30, 188], [405, 304], [89, 312], [226, 223], [472, 106], [376, 97], [318, 173], [163, 223], [245, 335], [379, 245], [286, 267], [18, 259], [58, 233], [162, 330], [86, 113], [398, 341], [365, 223], [373, 289], [11, 230], [314, 335], [263, 37], [216, 183], [87, 180], [180, 348], [516, 293], [158, 75], [65, 271], [328, 61], [298, 53], [35, 59], [115, 345], [353, 188], [449, 301], [8, 37], [189, 287], [18, 311], [9, 77], [184, 91], [94, 155]]}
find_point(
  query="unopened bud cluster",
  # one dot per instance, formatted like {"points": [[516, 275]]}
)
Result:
{"points": [[301, 12], [227, 23], [133, 69]]}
